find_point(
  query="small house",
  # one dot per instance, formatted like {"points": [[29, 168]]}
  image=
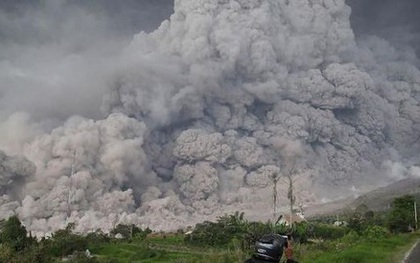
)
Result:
{"points": [[287, 219]]}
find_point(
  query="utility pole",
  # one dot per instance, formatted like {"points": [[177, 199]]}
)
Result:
{"points": [[291, 171], [275, 180], [71, 183], [415, 215], [292, 200]]}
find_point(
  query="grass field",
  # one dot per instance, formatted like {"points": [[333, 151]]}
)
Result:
{"points": [[387, 250], [158, 249], [173, 249], [125, 253]]}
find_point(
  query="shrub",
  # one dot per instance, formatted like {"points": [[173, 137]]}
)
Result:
{"points": [[301, 232], [13, 233], [373, 233], [325, 231], [220, 233], [97, 238], [401, 217], [351, 237], [64, 243], [130, 231]]}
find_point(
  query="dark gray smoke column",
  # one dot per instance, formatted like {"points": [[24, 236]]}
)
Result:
{"points": [[199, 115], [396, 21]]}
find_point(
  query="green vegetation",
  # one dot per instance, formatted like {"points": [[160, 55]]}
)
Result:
{"points": [[362, 250], [401, 217], [362, 236]]}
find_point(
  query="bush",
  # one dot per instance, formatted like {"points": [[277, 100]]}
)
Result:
{"points": [[301, 232], [254, 230], [351, 237], [64, 242], [220, 233], [325, 231], [401, 217], [80, 257], [373, 233], [130, 231], [32, 254], [13, 233], [357, 222], [97, 238], [6, 253]]}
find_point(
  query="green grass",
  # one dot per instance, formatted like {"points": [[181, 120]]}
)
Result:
{"points": [[168, 240], [125, 253], [173, 249], [387, 250], [158, 249]]}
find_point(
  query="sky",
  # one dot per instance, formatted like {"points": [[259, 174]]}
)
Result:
{"points": [[393, 20], [46, 43]]}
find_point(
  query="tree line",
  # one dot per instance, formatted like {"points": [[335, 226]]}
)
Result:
{"points": [[228, 232], [234, 230]]}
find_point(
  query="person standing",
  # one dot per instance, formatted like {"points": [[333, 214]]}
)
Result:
{"points": [[288, 251]]}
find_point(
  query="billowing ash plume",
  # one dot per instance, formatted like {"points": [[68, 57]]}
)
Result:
{"points": [[395, 21], [14, 172], [203, 113]]}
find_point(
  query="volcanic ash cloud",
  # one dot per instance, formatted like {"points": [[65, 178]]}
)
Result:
{"points": [[205, 111]]}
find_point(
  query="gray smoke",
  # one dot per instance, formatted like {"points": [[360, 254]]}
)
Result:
{"points": [[56, 56], [15, 171], [395, 21], [197, 118]]}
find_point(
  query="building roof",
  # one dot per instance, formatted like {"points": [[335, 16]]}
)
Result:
{"points": [[296, 218]]}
